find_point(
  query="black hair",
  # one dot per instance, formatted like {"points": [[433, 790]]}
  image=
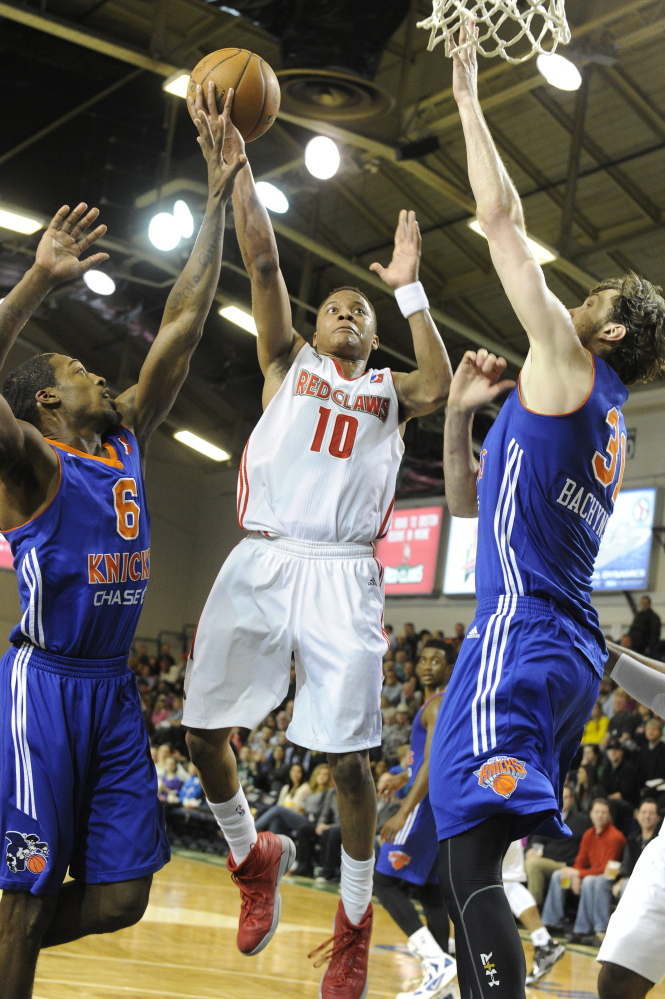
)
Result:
{"points": [[350, 287], [23, 384], [437, 643]]}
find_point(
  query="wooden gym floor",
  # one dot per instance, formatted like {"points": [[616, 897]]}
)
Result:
{"points": [[184, 948]]}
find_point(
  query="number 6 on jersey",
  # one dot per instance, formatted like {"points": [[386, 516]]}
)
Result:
{"points": [[127, 510]]}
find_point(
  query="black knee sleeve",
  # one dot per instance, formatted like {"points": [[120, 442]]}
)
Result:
{"points": [[396, 902]]}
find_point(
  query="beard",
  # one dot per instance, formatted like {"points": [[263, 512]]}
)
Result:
{"points": [[588, 329], [109, 420]]}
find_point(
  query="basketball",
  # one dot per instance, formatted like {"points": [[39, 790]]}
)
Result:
{"points": [[36, 863], [257, 94], [504, 784]]}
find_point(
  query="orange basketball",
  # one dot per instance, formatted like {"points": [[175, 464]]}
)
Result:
{"points": [[257, 93], [504, 784], [36, 863]]}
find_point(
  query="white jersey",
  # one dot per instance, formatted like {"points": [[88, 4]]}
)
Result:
{"points": [[322, 462]]}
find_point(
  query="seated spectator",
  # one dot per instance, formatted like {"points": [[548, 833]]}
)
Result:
{"points": [[298, 754], [439, 635], [586, 789], [169, 670], [459, 636], [624, 721], [321, 813], [606, 695], [397, 733], [592, 760], [400, 662], [165, 653], [390, 632], [392, 688], [261, 741], [275, 771], [599, 845], [410, 641], [282, 721], [412, 697], [170, 784], [160, 711], [648, 819], [545, 856], [247, 767], [650, 760], [596, 727], [288, 814], [645, 714], [191, 793], [619, 776]]}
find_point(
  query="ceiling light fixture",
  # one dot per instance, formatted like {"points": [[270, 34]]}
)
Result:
{"points": [[99, 282], [240, 318], [559, 71], [543, 253], [184, 219], [164, 232], [177, 83], [18, 222], [203, 447], [271, 196], [322, 157]]}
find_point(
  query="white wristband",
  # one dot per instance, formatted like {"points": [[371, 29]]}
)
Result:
{"points": [[411, 298], [645, 684]]}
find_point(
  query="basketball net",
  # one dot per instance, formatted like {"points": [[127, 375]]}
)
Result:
{"points": [[501, 24]]}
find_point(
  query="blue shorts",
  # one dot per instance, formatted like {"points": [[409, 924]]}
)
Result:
{"points": [[511, 721], [414, 856], [78, 787]]}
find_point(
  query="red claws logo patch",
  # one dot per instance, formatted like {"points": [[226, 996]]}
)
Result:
{"points": [[399, 859], [501, 773]]}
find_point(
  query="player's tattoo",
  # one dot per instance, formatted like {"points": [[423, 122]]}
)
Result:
{"points": [[188, 284]]}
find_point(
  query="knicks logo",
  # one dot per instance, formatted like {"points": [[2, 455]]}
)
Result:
{"points": [[399, 859], [501, 773], [25, 852]]}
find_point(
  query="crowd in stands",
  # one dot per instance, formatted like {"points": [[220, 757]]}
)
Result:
{"points": [[613, 800]]}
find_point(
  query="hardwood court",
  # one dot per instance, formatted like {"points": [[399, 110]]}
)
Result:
{"points": [[185, 948]]}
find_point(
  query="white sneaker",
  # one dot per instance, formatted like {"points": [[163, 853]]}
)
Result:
{"points": [[437, 976]]}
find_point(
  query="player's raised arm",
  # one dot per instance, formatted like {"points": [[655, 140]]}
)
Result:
{"points": [[555, 345], [57, 260], [424, 390], [278, 342], [144, 406], [476, 383]]}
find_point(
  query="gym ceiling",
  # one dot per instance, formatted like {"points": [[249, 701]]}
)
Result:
{"points": [[85, 117]]}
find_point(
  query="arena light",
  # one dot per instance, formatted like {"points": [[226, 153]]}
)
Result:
{"points": [[177, 83], [559, 71], [240, 318], [99, 282], [271, 196], [19, 222], [164, 232], [322, 157], [543, 254], [203, 447], [184, 219]]}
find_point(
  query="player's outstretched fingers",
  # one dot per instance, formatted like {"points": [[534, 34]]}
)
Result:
{"points": [[59, 217], [73, 217], [213, 110], [488, 364], [83, 224], [93, 261], [85, 241], [205, 137]]}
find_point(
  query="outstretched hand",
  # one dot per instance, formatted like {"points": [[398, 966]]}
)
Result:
{"points": [[221, 143], [403, 268], [477, 381], [64, 241], [465, 64]]}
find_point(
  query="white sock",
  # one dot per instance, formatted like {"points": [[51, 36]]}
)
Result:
{"points": [[237, 823], [425, 945], [356, 886], [451, 945], [540, 937]]}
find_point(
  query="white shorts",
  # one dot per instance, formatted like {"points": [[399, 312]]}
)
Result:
{"points": [[274, 597], [636, 931], [519, 897]]}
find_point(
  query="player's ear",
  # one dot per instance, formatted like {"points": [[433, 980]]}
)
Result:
{"points": [[49, 398], [612, 333], [375, 342]]}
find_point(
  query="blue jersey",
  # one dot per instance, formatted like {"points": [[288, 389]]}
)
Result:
{"points": [[546, 489], [83, 563], [419, 739]]}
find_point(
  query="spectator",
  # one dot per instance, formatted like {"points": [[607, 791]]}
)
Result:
{"points": [[397, 734], [391, 636], [288, 814], [599, 845], [161, 710], [170, 784], [276, 770], [624, 721], [262, 741], [412, 697], [592, 760], [392, 689], [321, 811], [545, 856], [649, 820], [596, 727], [411, 641], [651, 758], [587, 787], [297, 754], [247, 767], [605, 695], [439, 634], [459, 636], [619, 776], [191, 793], [645, 630], [400, 663], [165, 653], [143, 657]]}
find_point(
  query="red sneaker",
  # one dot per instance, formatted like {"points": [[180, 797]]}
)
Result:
{"points": [[346, 975], [258, 878]]}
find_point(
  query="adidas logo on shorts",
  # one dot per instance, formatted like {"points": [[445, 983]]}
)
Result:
{"points": [[474, 633]]}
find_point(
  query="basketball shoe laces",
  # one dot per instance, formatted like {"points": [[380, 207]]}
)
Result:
{"points": [[341, 965], [253, 890]]}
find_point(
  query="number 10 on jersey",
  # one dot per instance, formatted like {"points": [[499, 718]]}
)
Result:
{"points": [[342, 437]]}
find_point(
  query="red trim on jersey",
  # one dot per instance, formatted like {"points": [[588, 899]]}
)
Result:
{"points": [[244, 488], [338, 368], [383, 530], [112, 460], [383, 630]]}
